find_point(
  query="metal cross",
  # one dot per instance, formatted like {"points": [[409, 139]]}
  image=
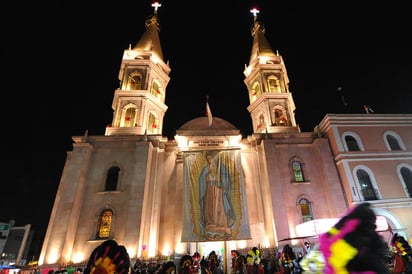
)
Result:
{"points": [[156, 5], [254, 11]]}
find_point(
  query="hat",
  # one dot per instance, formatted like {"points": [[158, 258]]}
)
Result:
{"points": [[108, 258], [402, 246], [353, 245]]}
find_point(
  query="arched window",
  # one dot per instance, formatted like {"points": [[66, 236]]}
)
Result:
{"points": [[152, 124], [112, 179], [134, 81], [297, 170], [352, 142], [105, 224], [255, 91], [393, 141], [406, 175], [156, 90], [280, 118], [274, 84], [305, 209], [129, 116], [261, 124], [366, 186]]}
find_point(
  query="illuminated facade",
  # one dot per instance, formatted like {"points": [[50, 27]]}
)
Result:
{"points": [[155, 196]]}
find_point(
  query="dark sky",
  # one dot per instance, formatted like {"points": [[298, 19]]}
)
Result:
{"points": [[60, 63]]}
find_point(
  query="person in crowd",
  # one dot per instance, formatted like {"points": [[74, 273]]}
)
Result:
{"points": [[306, 249], [265, 264], [108, 258], [214, 263], [352, 245], [204, 264], [404, 250], [235, 256], [396, 263], [185, 264], [253, 260], [168, 268], [195, 268], [287, 258], [241, 264], [297, 269]]}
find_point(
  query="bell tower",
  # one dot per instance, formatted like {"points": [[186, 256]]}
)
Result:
{"points": [[139, 102], [271, 104]]}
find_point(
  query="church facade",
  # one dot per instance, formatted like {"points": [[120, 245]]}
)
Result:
{"points": [[212, 189]]}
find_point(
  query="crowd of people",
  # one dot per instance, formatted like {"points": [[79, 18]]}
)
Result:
{"points": [[352, 245]]}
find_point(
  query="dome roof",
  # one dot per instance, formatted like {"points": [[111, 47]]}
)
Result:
{"points": [[200, 126]]}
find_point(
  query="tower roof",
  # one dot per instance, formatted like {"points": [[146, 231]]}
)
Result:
{"points": [[150, 40], [261, 46]]}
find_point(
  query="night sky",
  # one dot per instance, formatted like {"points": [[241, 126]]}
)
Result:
{"points": [[60, 63]]}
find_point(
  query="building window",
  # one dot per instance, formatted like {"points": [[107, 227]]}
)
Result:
{"points": [[105, 224], [156, 90], [112, 179], [366, 186], [134, 81], [393, 141], [152, 124], [274, 84], [129, 116], [297, 170], [352, 142], [280, 118], [406, 175], [255, 91], [261, 124], [305, 209]]}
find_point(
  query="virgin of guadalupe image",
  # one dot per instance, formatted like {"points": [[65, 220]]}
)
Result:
{"points": [[217, 215]]}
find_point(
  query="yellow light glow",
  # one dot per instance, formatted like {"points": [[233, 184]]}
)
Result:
{"points": [[52, 256], [235, 140], [166, 250], [182, 142], [242, 244], [152, 247], [180, 248], [266, 243], [131, 251], [78, 257]]}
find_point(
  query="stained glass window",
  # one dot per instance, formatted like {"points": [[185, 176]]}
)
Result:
{"points": [[105, 224]]}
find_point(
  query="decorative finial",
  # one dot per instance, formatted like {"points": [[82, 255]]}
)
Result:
{"points": [[255, 12], [156, 6]]}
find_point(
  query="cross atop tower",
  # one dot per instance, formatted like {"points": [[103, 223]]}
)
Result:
{"points": [[255, 12], [156, 6]]}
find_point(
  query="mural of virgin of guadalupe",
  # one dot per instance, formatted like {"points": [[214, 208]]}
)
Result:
{"points": [[216, 211]]}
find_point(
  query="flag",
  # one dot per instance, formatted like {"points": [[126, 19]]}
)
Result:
{"points": [[209, 114]]}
